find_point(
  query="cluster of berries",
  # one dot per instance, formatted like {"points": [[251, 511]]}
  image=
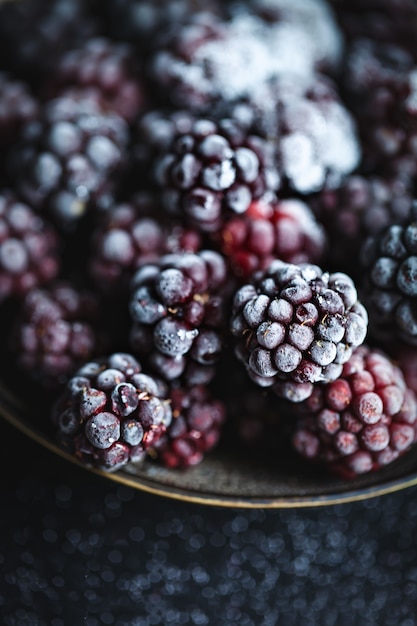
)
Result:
{"points": [[200, 201]]}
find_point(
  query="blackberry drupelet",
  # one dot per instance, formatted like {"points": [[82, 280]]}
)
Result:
{"points": [[29, 248], [55, 332], [390, 282], [285, 230], [132, 234], [70, 161], [215, 170], [111, 412], [197, 421], [106, 67], [362, 421], [178, 312], [296, 325], [361, 207]]}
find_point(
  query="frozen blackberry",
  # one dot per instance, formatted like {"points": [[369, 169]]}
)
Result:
{"points": [[177, 308], [315, 136], [70, 160], [33, 35], [17, 107], [104, 66], [286, 230], [390, 282], [55, 332], [308, 29], [29, 248], [197, 420], [210, 59], [296, 325], [111, 412], [361, 207], [215, 170], [361, 422], [132, 234], [381, 88]]}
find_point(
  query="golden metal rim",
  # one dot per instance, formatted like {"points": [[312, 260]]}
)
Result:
{"points": [[184, 495]]}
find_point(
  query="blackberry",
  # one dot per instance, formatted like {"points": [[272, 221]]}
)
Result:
{"points": [[361, 207], [29, 248], [177, 307], [197, 420], [390, 281], [111, 412], [381, 88], [286, 230], [307, 29], [210, 59], [104, 66], [214, 170], [361, 422], [55, 332], [70, 160], [33, 35], [315, 135], [296, 325], [132, 234]]}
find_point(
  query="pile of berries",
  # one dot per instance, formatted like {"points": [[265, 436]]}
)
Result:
{"points": [[208, 225]]}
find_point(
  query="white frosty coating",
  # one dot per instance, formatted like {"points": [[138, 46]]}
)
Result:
{"points": [[240, 59], [322, 140], [316, 19]]}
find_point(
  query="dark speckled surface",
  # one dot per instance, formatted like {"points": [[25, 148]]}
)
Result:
{"points": [[77, 549]]}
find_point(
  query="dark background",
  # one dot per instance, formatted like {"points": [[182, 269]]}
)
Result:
{"points": [[79, 549]]}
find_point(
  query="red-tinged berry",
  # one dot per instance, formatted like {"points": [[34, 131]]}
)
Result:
{"points": [[197, 421], [285, 230], [296, 325], [111, 413], [352, 430]]}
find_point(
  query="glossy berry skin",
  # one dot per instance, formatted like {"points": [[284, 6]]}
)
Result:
{"points": [[105, 67], [29, 248], [177, 309], [197, 421], [69, 162], [390, 282], [296, 325], [215, 170], [55, 332], [361, 422], [285, 230], [132, 234], [111, 412]]}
